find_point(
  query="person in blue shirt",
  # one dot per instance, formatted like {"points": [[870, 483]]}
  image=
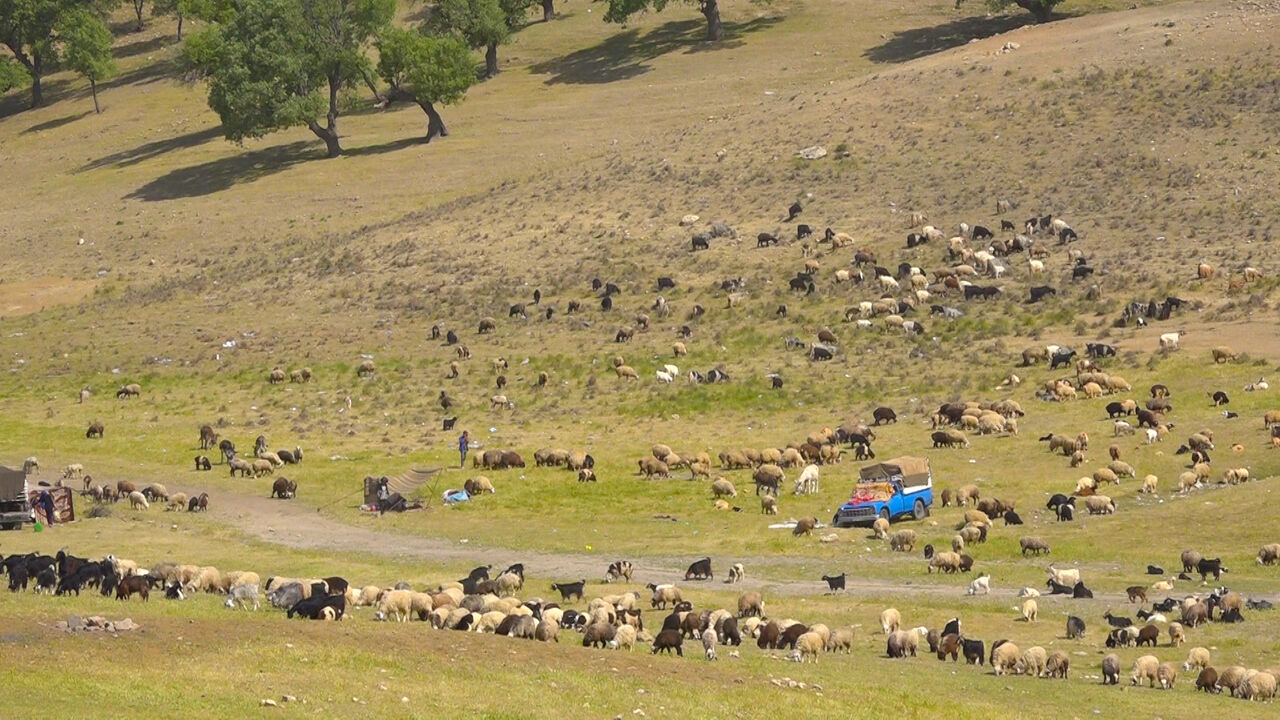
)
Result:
{"points": [[464, 441], [46, 503]]}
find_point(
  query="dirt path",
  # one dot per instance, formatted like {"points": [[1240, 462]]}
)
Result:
{"points": [[297, 526]]}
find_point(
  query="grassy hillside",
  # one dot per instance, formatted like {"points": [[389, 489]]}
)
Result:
{"points": [[205, 264]]}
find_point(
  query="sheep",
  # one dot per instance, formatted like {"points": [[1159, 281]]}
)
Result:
{"points": [[1100, 505], [769, 505], [138, 501], [880, 529], [804, 526], [751, 604], [1169, 341], [1268, 554], [1197, 658], [663, 594], [1259, 686], [1033, 661], [395, 604], [900, 643], [1005, 657], [1111, 669], [903, 541], [1030, 610], [1145, 669], [1176, 634], [808, 646], [890, 620], [721, 487], [948, 562]]}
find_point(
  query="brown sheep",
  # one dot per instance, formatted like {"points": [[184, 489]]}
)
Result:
{"points": [[804, 526]]}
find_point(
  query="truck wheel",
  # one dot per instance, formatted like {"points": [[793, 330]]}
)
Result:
{"points": [[919, 511], [885, 514], [835, 520]]}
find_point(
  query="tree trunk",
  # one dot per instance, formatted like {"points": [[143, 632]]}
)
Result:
{"points": [[548, 10], [93, 85], [137, 10], [37, 92], [329, 132], [378, 98], [491, 60], [435, 123], [715, 30], [179, 27]]}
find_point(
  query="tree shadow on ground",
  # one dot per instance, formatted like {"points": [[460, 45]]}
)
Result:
{"points": [[625, 54], [217, 175], [56, 122], [919, 42], [391, 146], [142, 47], [150, 150]]}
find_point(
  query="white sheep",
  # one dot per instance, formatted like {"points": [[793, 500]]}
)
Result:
{"points": [[138, 501], [1028, 592], [1035, 266], [664, 376], [1152, 436], [807, 482], [981, 585]]}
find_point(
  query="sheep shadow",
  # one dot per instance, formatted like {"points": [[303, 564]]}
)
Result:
{"points": [[147, 151], [224, 173], [56, 122], [918, 42], [625, 55]]}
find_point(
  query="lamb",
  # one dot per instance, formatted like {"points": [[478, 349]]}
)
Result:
{"points": [[880, 529], [769, 505], [668, 640], [890, 620], [1030, 610], [138, 501]]}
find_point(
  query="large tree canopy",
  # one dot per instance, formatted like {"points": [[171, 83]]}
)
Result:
{"points": [[621, 10], [276, 64], [1041, 9], [39, 33], [425, 69]]}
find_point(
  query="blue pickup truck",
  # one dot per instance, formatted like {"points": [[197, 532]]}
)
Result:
{"points": [[889, 490]]}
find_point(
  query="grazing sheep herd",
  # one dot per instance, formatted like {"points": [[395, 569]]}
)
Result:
{"points": [[485, 604]]}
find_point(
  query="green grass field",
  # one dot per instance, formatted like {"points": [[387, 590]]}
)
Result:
{"points": [[205, 264]]}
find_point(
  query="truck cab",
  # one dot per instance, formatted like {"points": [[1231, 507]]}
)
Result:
{"points": [[15, 509], [889, 490]]}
